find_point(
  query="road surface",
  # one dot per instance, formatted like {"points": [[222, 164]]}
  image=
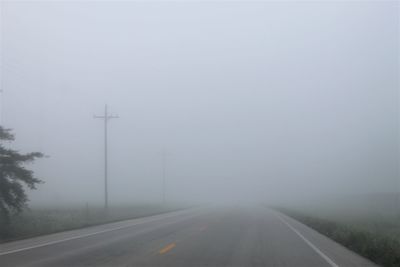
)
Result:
{"points": [[235, 236]]}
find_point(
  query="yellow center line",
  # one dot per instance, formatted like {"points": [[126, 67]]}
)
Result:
{"points": [[167, 248]]}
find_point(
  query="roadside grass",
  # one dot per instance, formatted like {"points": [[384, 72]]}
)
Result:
{"points": [[375, 239], [46, 220]]}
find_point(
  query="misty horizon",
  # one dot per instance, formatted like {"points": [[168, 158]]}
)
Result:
{"points": [[262, 101]]}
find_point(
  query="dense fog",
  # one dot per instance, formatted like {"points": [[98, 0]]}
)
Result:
{"points": [[248, 101]]}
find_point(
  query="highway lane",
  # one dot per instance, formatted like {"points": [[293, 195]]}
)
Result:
{"points": [[223, 236]]}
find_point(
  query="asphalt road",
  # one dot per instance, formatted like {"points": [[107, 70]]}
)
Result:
{"points": [[235, 236]]}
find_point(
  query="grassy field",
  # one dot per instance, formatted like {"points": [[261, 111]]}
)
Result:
{"points": [[374, 234], [44, 220]]}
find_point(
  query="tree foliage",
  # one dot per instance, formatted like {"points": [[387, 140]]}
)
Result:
{"points": [[14, 176]]}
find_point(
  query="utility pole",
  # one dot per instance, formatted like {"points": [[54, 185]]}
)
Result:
{"points": [[1, 106], [164, 172], [106, 117]]}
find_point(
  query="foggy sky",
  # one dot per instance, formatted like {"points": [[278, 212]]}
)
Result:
{"points": [[251, 101]]}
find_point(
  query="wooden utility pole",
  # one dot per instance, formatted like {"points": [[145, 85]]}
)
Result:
{"points": [[164, 173], [106, 117]]}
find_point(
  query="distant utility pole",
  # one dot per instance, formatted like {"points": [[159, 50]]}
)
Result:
{"points": [[1, 106], [164, 181], [106, 117]]}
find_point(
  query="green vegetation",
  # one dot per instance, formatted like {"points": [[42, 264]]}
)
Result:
{"points": [[39, 221], [14, 178], [372, 238]]}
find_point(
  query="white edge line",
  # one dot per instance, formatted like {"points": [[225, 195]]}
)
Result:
{"points": [[81, 236], [326, 258]]}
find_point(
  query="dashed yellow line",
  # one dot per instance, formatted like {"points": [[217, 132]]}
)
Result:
{"points": [[167, 248]]}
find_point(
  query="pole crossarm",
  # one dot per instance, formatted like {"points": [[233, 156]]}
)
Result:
{"points": [[108, 117]]}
